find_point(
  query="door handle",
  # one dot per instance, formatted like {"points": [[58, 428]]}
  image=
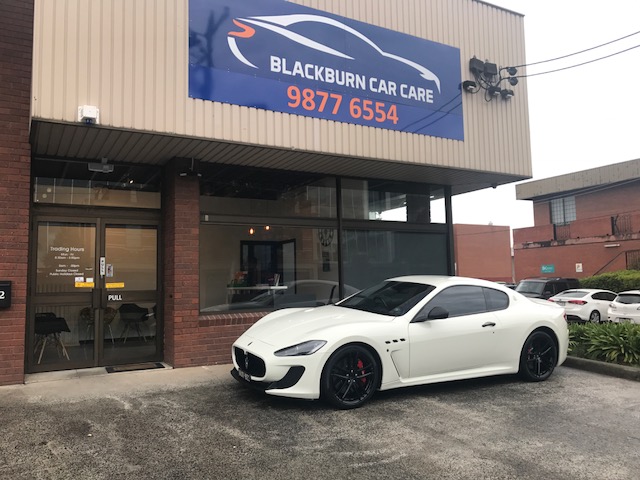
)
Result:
{"points": [[489, 324]]}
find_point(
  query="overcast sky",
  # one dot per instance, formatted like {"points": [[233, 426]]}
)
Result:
{"points": [[580, 118]]}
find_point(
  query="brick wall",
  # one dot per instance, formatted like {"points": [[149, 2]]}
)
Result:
{"points": [[483, 251], [190, 339], [16, 43], [594, 257], [181, 277]]}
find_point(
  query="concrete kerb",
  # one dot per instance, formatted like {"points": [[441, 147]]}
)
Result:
{"points": [[604, 368]]}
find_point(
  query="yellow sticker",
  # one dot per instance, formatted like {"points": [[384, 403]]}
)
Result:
{"points": [[115, 285], [85, 284]]}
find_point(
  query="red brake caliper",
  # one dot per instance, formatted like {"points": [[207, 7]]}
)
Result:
{"points": [[361, 366]]}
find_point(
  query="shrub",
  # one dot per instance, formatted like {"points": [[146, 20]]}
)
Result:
{"points": [[615, 281], [609, 342]]}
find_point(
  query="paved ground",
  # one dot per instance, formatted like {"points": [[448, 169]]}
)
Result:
{"points": [[198, 423]]}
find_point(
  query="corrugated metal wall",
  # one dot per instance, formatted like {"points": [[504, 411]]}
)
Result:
{"points": [[130, 58]]}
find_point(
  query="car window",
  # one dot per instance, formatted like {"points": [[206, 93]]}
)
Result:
{"points": [[388, 298], [628, 298], [526, 286], [496, 300], [557, 287], [574, 294], [605, 296], [459, 300]]}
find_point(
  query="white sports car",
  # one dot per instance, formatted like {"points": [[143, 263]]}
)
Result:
{"points": [[404, 331]]}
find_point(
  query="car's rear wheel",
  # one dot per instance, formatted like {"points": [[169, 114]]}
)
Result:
{"points": [[350, 377], [594, 317], [539, 357]]}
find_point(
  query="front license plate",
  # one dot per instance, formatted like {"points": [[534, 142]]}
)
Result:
{"points": [[244, 375]]}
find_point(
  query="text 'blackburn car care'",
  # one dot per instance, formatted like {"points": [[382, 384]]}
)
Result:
{"points": [[404, 331]]}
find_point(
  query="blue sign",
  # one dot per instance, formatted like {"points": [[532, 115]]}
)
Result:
{"points": [[279, 56], [548, 268]]}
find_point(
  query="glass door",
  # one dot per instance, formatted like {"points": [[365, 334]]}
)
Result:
{"points": [[129, 271], [93, 279]]}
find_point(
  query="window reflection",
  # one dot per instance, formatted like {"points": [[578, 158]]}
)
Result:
{"points": [[392, 201], [373, 255], [269, 268]]}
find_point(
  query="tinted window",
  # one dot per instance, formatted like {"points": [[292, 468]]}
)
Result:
{"points": [[527, 286], [575, 294], [496, 300], [628, 298], [557, 287], [388, 298], [459, 300], [606, 296]]}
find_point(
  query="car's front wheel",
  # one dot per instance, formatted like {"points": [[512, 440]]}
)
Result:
{"points": [[539, 357], [594, 317], [350, 377]]}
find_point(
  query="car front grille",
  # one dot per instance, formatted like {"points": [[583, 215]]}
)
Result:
{"points": [[250, 363]]}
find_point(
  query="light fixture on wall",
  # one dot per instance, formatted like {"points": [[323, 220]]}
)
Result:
{"points": [[251, 231], [488, 77], [506, 93], [88, 114], [470, 86]]}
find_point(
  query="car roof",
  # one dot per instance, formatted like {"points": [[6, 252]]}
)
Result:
{"points": [[586, 290], [441, 280], [548, 279], [630, 292]]}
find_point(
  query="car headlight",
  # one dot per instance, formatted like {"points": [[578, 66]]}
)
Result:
{"points": [[304, 348]]}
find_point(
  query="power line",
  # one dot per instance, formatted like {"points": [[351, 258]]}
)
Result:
{"points": [[578, 64], [577, 53]]}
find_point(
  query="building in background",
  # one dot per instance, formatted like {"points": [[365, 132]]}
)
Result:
{"points": [[586, 223], [483, 251], [170, 171]]}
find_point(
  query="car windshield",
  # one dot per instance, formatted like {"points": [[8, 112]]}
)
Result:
{"points": [[388, 298], [530, 287], [628, 299]]}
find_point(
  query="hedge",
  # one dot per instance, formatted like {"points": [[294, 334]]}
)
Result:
{"points": [[619, 281]]}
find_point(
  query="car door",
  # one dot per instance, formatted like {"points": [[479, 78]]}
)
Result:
{"points": [[469, 338]]}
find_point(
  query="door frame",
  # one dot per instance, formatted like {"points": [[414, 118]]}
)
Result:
{"points": [[100, 217]]}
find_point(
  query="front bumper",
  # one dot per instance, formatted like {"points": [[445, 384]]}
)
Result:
{"points": [[256, 366], [289, 380]]}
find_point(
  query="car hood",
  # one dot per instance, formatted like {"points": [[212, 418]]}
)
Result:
{"points": [[296, 325]]}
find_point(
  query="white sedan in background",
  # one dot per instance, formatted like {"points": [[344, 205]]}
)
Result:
{"points": [[625, 307], [585, 304], [401, 332]]}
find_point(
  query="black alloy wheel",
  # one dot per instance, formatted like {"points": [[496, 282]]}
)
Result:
{"points": [[350, 377], [538, 358], [594, 317]]}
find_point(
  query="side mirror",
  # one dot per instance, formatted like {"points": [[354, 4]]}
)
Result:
{"points": [[436, 313], [547, 294]]}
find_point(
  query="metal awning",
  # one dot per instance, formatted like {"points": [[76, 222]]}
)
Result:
{"points": [[78, 141]]}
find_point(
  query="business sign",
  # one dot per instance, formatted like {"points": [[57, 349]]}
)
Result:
{"points": [[279, 56], [548, 268]]}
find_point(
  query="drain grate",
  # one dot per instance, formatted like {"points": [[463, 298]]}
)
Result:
{"points": [[134, 366]]}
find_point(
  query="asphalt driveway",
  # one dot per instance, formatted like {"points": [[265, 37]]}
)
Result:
{"points": [[199, 423]]}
